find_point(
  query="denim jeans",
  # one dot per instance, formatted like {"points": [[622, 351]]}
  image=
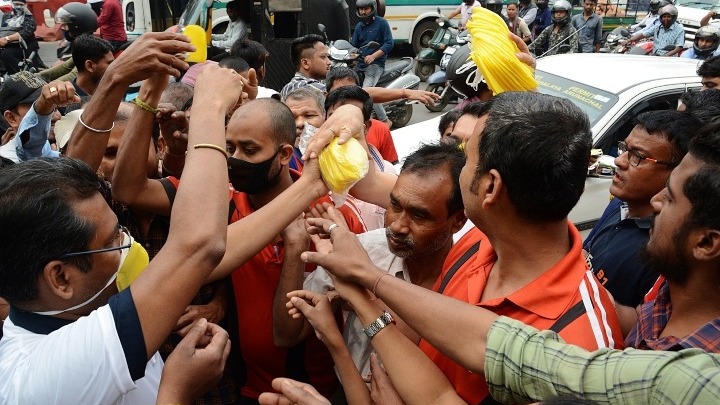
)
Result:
{"points": [[372, 75]]}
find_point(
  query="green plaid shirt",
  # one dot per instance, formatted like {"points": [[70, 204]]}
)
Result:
{"points": [[523, 365]]}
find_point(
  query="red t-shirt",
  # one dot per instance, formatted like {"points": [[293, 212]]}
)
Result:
{"points": [[110, 21], [254, 285], [379, 136], [566, 298]]}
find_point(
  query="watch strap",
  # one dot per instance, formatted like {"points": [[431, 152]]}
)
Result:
{"points": [[379, 324]]}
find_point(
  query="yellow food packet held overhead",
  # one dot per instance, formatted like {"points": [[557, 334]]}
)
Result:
{"points": [[494, 54], [341, 166], [197, 37]]}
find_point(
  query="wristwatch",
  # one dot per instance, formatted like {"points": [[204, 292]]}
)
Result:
{"points": [[379, 324]]}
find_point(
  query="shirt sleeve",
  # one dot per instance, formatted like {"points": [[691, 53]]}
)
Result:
{"points": [[680, 37], [525, 365], [540, 40], [598, 31], [387, 45], [529, 17], [37, 127]]}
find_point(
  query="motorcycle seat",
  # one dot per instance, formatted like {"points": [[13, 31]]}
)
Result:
{"points": [[395, 68]]}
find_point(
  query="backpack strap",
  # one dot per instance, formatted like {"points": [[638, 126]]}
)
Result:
{"points": [[456, 266]]}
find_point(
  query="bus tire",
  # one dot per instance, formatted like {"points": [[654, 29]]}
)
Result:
{"points": [[422, 35]]}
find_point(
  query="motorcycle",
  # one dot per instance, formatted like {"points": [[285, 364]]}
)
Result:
{"points": [[397, 75], [30, 62], [445, 37], [438, 83]]}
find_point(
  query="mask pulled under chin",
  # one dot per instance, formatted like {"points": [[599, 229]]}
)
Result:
{"points": [[133, 262]]}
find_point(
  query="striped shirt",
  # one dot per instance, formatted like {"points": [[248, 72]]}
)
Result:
{"points": [[523, 365]]}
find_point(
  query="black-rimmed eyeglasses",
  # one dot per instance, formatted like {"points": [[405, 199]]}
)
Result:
{"points": [[635, 157], [123, 231]]}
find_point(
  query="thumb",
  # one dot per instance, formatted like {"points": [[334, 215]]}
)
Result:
{"points": [[302, 305], [197, 331], [252, 77], [315, 258]]}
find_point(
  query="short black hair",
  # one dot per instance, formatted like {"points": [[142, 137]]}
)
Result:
{"points": [[340, 72], [710, 68], [434, 156], [301, 44], [253, 52], [234, 5], [703, 105], [282, 121], [235, 63], [476, 109], [88, 47], [702, 188], [540, 145], [677, 127], [38, 223], [449, 118], [342, 95]]}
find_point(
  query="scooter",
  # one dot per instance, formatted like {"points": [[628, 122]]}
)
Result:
{"points": [[438, 83], [445, 36], [30, 62], [396, 76]]}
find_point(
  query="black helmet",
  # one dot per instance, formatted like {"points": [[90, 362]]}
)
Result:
{"points": [[462, 73], [541, 4], [654, 6], [561, 5], [495, 6], [669, 9], [366, 3], [79, 18], [708, 32]]}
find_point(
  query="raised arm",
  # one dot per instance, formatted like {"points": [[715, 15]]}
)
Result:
{"points": [[151, 53], [130, 184], [198, 224]]}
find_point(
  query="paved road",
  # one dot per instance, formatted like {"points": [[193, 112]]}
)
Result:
{"points": [[420, 113]]}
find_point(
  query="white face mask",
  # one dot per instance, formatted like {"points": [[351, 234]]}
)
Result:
{"points": [[124, 254]]}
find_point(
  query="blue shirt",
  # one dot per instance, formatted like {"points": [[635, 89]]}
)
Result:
{"points": [[662, 37], [377, 30], [613, 246], [690, 54], [590, 31], [37, 145], [542, 20]]}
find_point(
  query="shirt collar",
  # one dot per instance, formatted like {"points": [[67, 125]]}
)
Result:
{"points": [[40, 324]]}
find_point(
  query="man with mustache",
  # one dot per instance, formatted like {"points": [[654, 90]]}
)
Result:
{"points": [[425, 211]]}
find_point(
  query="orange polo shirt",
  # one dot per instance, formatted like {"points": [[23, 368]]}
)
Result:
{"points": [[566, 296]]}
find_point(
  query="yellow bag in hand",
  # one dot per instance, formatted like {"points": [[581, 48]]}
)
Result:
{"points": [[197, 37], [494, 54], [341, 166]]}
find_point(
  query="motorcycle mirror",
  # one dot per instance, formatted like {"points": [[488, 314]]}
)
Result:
{"points": [[321, 28], [438, 11], [625, 33], [372, 45]]}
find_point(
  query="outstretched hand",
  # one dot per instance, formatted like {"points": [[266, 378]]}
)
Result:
{"points": [[316, 308], [291, 392]]}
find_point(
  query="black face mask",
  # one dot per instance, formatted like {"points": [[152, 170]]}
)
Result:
{"points": [[252, 178]]}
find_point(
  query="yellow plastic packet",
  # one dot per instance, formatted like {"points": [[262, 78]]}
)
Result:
{"points": [[341, 166], [197, 37], [494, 54]]}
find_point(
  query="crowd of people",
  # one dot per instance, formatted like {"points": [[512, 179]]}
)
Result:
{"points": [[184, 247]]}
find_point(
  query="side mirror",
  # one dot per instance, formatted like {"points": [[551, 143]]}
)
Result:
{"points": [[625, 33], [321, 28], [372, 45], [438, 11]]}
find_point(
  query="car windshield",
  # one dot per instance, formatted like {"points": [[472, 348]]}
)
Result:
{"points": [[701, 4], [594, 102]]}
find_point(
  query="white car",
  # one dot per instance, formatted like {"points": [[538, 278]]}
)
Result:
{"points": [[612, 89]]}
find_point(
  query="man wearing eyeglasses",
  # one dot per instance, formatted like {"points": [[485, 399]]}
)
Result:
{"points": [[645, 159]]}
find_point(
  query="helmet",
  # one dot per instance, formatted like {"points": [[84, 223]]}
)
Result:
{"points": [[708, 32], [654, 6], [495, 6], [541, 4], [561, 5], [79, 18], [669, 9], [463, 74], [366, 3]]}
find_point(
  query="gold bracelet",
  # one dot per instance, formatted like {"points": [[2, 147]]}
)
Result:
{"points": [[211, 146], [145, 106]]}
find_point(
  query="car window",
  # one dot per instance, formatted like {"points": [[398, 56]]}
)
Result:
{"points": [[621, 128], [593, 101]]}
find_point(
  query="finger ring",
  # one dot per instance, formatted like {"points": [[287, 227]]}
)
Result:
{"points": [[334, 133], [53, 89], [331, 227]]}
